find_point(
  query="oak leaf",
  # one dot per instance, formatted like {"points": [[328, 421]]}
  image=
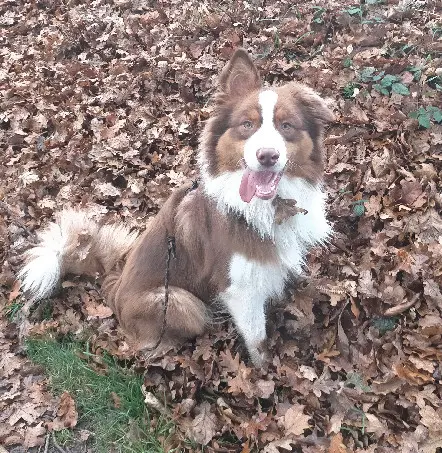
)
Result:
{"points": [[67, 415], [295, 421], [336, 444], [95, 309], [33, 436], [432, 419], [203, 427]]}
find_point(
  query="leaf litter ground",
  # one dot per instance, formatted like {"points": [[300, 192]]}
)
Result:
{"points": [[101, 107]]}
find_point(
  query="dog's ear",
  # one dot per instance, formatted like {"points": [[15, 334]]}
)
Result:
{"points": [[240, 75], [312, 103]]}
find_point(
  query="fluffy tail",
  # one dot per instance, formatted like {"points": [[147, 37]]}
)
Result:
{"points": [[77, 244]]}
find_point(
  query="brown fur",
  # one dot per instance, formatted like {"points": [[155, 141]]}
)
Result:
{"points": [[205, 241]]}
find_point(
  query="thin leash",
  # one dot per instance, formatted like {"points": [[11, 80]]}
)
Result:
{"points": [[171, 253]]}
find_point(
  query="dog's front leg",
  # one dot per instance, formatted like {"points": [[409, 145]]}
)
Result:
{"points": [[248, 312]]}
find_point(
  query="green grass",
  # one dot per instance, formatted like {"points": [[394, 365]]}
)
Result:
{"points": [[64, 437], [12, 309], [125, 429]]}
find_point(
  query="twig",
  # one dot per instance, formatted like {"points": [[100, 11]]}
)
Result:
{"points": [[398, 309], [61, 450], [48, 437]]}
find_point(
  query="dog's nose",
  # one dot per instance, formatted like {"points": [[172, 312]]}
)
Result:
{"points": [[267, 157]]}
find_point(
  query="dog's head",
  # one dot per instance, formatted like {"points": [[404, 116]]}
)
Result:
{"points": [[262, 134]]}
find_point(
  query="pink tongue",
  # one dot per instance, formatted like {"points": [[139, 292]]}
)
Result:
{"points": [[256, 182]]}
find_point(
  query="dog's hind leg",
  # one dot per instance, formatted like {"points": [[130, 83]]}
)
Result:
{"points": [[141, 316]]}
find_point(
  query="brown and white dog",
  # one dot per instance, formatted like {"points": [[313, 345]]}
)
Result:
{"points": [[260, 148]]}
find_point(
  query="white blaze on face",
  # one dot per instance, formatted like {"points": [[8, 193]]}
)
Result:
{"points": [[266, 136]]}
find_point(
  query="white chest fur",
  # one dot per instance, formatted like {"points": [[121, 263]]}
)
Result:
{"points": [[292, 240], [252, 283]]}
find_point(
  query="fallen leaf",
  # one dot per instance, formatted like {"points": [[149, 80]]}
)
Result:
{"points": [[95, 309], [34, 436], [285, 209], [409, 373], [15, 291], [431, 419], [295, 421], [204, 425], [336, 444], [116, 400], [67, 415]]}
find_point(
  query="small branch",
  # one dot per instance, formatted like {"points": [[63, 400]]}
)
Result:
{"points": [[48, 438], [398, 309], [61, 450]]}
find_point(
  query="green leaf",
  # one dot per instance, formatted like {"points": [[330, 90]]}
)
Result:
{"points": [[354, 10], [400, 88], [367, 74], [381, 89], [359, 209], [424, 121], [413, 115], [417, 75], [347, 62], [378, 77], [388, 80], [437, 116]]}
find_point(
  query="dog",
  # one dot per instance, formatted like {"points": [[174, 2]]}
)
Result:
{"points": [[239, 236]]}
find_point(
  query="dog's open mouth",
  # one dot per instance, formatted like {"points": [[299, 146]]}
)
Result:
{"points": [[262, 184]]}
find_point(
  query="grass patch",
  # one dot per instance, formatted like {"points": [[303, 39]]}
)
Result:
{"points": [[119, 429], [12, 309], [64, 437]]}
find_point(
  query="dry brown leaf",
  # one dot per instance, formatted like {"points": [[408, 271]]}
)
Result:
{"points": [[295, 421], [274, 447], [375, 425], [67, 415], [15, 291], [204, 424], [265, 388], [34, 436], [411, 374], [285, 209], [246, 447], [95, 309], [400, 308], [116, 400], [336, 444], [431, 445], [431, 419]]}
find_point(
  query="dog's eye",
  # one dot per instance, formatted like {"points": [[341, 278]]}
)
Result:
{"points": [[247, 124], [286, 126]]}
